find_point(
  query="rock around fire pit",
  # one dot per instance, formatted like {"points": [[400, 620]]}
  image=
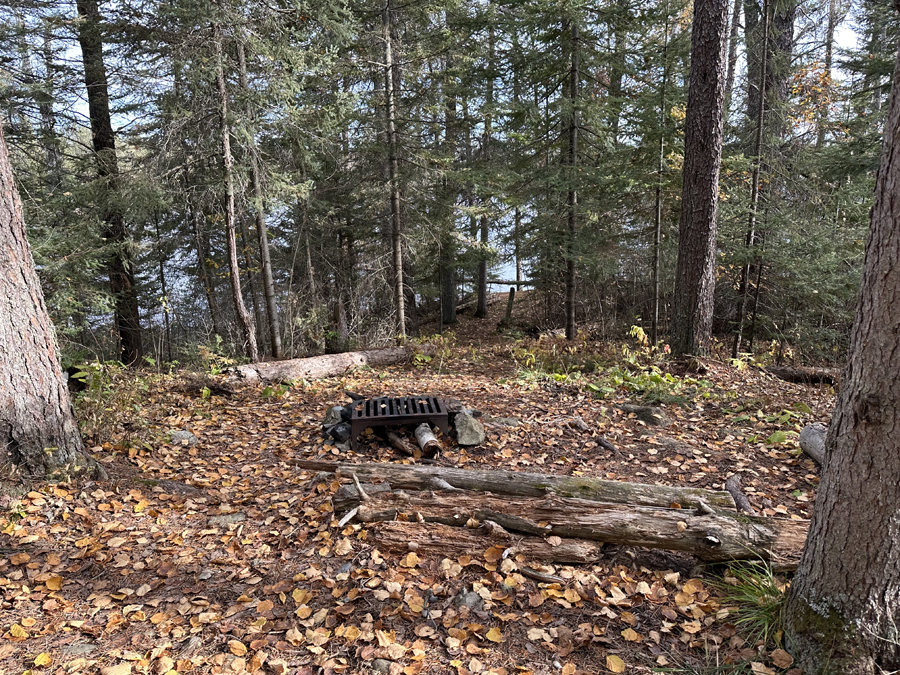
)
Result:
{"points": [[345, 423]]}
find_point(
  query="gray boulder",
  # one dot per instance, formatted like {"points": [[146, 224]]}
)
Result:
{"points": [[469, 431], [183, 438], [333, 417]]}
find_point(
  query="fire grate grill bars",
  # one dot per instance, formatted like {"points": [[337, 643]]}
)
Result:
{"points": [[399, 411]]}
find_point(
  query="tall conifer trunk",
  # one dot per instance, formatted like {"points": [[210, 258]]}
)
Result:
{"points": [[393, 166], [695, 273], [119, 263], [572, 164]]}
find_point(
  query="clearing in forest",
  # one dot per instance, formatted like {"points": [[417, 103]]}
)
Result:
{"points": [[221, 556]]}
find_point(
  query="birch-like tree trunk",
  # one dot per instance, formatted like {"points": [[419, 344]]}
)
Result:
{"points": [[262, 237], [247, 327]]}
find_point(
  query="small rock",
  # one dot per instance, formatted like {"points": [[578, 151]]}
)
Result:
{"points": [[469, 431], [227, 519], [469, 599], [648, 414], [381, 666], [334, 416], [340, 432], [503, 421], [183, 438], [78, 649]]}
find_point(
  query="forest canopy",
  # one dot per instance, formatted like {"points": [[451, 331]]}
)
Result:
{"points": [[375, 166]]}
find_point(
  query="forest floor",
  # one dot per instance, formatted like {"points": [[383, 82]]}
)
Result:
{"points": [[235, 562]]}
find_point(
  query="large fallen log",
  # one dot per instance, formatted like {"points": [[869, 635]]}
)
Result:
{"points": [[812, 441], [527, 484], [453, 542], [800, 375], [315, 367], [713, 537]]}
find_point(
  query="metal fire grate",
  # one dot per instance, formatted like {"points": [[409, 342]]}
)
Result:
{"points": [[387, 412]]}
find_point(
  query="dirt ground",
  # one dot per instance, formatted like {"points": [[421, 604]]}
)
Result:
{"points": [[222, 557]]}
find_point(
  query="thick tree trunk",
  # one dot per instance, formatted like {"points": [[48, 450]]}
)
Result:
{"points": [[842, 609], [328, 365], [38, 433], [528, 484], [262, 237], [119, 265], [695, 275], [709, 536], [247, 327]]}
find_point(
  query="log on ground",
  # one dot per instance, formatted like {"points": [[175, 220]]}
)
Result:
{"points": [[812, 441], [527, 484], [799, 375], [315, 367], [713, 537], [453, 542]]}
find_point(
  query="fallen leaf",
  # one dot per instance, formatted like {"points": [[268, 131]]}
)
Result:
{"points": [[43, 659], [632, 635], [494, 635], [615, 664], [782, 659], [121, 669], [237, 647]]}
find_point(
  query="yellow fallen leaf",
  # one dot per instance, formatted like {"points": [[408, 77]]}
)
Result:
{"points": [[54, 583], [17, 631], [494, 635], [141, 505], [615, 664], [237, 647], [632, 635], [43, 659]]}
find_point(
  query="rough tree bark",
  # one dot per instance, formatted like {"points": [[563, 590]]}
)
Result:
{"points": [[528, 484], [38, 433], [709, 536], [695, 273], [119, 264], [842, 609]]}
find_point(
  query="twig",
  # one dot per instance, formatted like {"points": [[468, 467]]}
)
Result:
{"points": [[363, 497], [540, 576]]}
